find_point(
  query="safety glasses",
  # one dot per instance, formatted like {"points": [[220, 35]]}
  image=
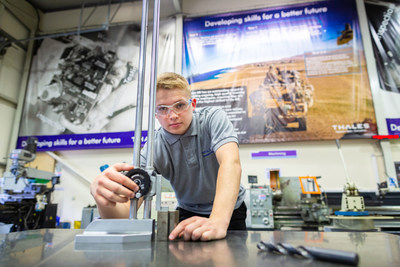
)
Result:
{"points": [[178, 107]]}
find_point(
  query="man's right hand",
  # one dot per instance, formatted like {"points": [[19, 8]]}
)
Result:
{"points": [[112, 187]]}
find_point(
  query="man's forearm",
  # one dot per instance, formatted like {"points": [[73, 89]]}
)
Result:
{"points": [[227, 190]]}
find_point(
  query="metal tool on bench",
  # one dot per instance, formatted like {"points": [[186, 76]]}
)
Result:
{"points": [[133, 229], [323, 254], [352, 202]]}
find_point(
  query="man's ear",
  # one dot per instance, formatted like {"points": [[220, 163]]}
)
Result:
{"points": [[194, 101]]}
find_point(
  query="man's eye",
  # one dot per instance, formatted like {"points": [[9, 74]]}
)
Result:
{"points": [[162, 109], [180, 106]]}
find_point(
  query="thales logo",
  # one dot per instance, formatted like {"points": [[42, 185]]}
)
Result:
{"points": [[351, 128]]}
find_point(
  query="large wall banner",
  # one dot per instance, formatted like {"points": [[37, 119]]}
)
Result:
{"points": [[384, 25], [286, 73], [82, 89]]}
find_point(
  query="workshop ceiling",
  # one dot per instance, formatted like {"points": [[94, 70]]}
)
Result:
{"points": [[168, 7], [60, 5]]}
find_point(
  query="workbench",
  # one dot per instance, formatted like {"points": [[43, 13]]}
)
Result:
{"points": [[56, 247]]}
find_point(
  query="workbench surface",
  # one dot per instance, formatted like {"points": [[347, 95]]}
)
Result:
{"points": [[56, 247]]}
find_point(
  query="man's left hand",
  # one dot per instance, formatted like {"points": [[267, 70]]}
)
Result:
{"points": [[199, 228]]}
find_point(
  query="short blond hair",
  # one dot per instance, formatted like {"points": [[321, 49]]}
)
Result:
{"points": [[173, 81]]}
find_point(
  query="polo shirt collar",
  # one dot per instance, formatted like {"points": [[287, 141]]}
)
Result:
{"points": [[173, 138]]}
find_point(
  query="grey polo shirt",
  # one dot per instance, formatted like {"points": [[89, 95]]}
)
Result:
{"points": [[189, 162]]}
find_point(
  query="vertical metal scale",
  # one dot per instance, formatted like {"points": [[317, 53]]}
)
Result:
{"points": [[105, 231], [152, 104], [139, 106]]}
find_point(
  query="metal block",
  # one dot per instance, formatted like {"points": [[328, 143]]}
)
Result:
{"points": [[173, 220], [162, 225]]}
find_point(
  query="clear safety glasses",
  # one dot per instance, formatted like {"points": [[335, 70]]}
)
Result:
{"points": [[178, 107]]}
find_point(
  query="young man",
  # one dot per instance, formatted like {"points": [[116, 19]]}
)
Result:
{"points": [[197, 151]]}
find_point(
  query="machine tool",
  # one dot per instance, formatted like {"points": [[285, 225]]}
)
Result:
{"points": [[313, 209], [103, 231], [299, 206], [352, 202], [260, 211], [288, 202], [352, 215], [25, 192]]}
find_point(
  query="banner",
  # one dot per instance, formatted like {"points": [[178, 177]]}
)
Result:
{"points": [[82, 89], [288, 73], [384, 25], [85, 141]]}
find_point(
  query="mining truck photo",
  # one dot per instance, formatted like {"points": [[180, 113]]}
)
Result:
{"points": [[281, 102]]}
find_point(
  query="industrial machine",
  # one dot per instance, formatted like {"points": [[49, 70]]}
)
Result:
{"points": [[260, 209], [25, 192], [298, 203], [298, 206], [288, 202], [313, 209], [352, 202]]}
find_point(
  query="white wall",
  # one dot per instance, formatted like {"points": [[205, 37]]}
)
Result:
{"points": [[395, 145], [317, 158], [18, 23]]}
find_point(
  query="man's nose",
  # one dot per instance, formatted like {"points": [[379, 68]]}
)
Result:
{"points": [[171, 112]]}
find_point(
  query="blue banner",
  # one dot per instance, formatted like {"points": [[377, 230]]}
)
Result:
{"points": [[393, 126], [83, 141], [288, 73]]}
